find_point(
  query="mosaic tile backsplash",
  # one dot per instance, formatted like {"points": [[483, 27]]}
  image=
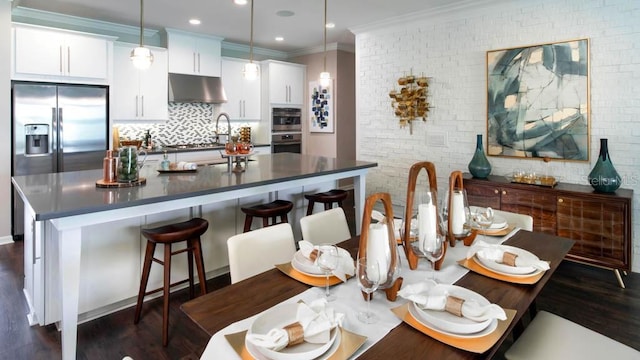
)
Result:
{"points": [[188, 123]]}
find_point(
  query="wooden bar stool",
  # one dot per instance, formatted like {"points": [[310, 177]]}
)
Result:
{"points": [[265, 211], [327, 198], [189, 231]]}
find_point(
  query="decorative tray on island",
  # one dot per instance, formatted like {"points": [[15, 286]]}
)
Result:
{"points": [[116, 184]]}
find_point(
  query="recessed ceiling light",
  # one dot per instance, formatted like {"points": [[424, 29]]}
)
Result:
{"points": [[279, 38], [194, 21], [240, 2], [330, 25], [285, 13]]}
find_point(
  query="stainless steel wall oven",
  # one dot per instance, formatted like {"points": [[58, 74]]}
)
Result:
{"points": [[286, 119], [286, 143]]}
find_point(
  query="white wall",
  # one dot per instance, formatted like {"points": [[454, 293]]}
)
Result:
{"points": [[5, 122], [451, 48]]}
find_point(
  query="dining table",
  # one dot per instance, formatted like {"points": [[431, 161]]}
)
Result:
{"points": [[219, 309]]}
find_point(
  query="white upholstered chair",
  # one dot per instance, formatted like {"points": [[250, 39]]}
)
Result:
{"points": [[522, 221], [326, 227], [259, 250], [550, 337]]}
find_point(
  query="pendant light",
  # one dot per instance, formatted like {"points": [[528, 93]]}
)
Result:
{"points": [[250, 70], [141, 56], [325, 77]]}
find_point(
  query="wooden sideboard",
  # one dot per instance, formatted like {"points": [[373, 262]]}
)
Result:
{"points": [[599, 223]]}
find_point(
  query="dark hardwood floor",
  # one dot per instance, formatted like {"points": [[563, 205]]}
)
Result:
{"points": [[583, 294]]}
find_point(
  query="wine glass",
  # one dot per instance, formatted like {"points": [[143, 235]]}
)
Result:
{"points": [[327, 261], [483, 218], [433, 250], [368, 272]]}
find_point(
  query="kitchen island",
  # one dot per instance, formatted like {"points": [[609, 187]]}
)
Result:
{"points": [[66, 212]]}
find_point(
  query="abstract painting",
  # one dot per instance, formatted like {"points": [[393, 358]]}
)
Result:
{"points": [[321, 108], [538, 101]]}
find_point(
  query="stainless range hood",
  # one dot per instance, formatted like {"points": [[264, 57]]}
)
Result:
{"points": [[195, 88]]}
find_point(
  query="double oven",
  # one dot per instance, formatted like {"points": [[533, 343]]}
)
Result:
{"points": [[286, 130]]}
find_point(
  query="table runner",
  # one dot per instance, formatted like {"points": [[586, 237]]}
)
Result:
{"points": [[349, 301]]}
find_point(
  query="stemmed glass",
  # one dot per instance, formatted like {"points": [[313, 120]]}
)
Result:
{"points": [[483, 218], [327, 261], [368, 272], [433, 250]]}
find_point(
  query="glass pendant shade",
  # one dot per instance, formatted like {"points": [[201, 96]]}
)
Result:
{"points": [[250, 71], [141, 57], [325, 79]]}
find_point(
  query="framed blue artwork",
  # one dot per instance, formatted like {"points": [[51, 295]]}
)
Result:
{"points": [[321, 111], [538, 101]]}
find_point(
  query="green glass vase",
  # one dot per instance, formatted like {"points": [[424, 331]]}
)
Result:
{"points": [[604, 177], [479, 166]]}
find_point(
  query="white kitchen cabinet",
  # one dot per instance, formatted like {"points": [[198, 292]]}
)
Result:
{"points": [[193, 54], [285, 82], [47, 54], [139, 94], [243, 96]]}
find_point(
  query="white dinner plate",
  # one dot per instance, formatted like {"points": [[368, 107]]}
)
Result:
{"points": [[305, 265], [416, 312], [278, 317], [499, 222], [447, 322], [507, 269]]}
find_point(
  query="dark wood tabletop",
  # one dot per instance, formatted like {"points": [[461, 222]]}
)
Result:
{"points": [[218, 309]]}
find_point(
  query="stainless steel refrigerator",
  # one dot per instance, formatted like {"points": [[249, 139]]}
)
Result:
{"points": [[56, 127]]}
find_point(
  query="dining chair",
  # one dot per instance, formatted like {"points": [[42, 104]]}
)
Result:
{"points": [[550, 336], [259, 250], [326, 227], [522, 221]]}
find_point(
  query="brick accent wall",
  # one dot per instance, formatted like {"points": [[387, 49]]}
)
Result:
{"points": [[450, 47]]}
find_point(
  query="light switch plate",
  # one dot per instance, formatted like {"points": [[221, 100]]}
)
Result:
{"points": [[437, 139]]}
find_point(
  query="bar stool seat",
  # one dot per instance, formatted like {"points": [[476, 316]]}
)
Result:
{"points": [[265, 211], [167, 235], [328, 198]]}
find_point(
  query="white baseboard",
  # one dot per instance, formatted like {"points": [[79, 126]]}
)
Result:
{"points": [[6, 240]]}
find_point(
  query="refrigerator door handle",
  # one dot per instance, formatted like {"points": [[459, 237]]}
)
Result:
{"points": [[60, 137], [55, 137], [142, 105]]}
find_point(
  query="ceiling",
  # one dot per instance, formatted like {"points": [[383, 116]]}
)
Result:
{"points": [[223, 18]]}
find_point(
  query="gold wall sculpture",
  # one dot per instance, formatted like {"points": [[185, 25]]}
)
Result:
{"points": [[410, 102]]}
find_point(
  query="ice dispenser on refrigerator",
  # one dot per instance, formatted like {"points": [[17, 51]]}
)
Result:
{"points": [[36, 139]]}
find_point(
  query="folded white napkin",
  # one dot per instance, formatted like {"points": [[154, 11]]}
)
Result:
{"points": [[183, 165], [500, 254], [314, 320], [423, 295], [345, 263]]}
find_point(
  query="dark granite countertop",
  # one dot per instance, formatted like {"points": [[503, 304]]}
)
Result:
{"points": [[57, 195]]}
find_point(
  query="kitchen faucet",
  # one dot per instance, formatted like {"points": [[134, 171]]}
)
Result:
{"points": [[228, 127]]}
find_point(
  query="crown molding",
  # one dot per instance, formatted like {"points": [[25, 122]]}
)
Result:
{"points": [[256, 50], [320, 49], [456, 9], [32, 16]]}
